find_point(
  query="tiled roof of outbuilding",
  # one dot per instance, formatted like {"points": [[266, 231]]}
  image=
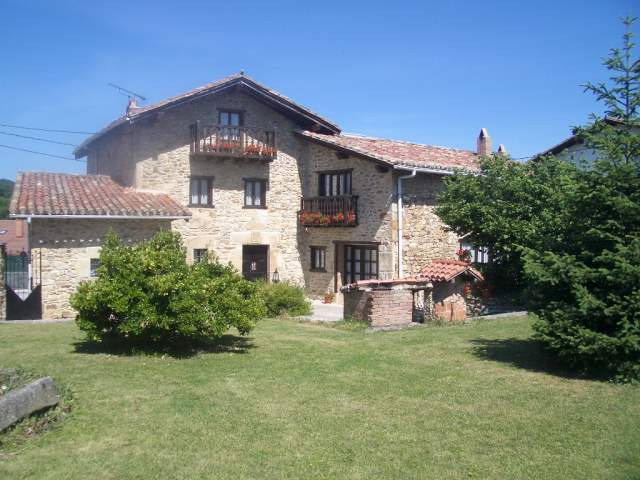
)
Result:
{"points": [[63, 194], [400, 153], [443, 270]]}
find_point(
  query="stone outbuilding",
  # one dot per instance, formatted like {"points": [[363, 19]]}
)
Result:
{"points": [[452, 285], [440, 291]]}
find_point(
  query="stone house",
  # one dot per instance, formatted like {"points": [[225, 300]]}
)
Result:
{"points": [[247, 174]]}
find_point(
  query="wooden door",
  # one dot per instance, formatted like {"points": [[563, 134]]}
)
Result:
{"points": [[255, 262]]}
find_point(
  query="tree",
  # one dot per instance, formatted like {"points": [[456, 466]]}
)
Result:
{"points": [[616, 135], [586, 289], [147, 293], [507, 206], [570, 235]]}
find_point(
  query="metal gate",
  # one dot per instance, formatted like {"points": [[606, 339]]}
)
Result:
{"points": [[23, 279]]}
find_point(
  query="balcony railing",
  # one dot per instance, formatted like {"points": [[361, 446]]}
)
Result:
{"points": [[340, 211], [229, 141]]}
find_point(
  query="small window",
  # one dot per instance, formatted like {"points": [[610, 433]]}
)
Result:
{"points": [[333, 184], [201, 192], [94, 263], [199, 255], [255, 193], [229, 118], [318, 259]]}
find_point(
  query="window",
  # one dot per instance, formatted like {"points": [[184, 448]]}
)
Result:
{"points": [[332, 184], [477, 255], [255, 193], [318, 259], [360, 263], [199, 255], [94, 263], [201, 192], [230, 122], [230, 118]]}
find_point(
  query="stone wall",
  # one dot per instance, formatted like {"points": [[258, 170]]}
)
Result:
{"points": [[374, 188], [425, 236], [66, 247], [3, 290], [154, 155], [449, 301], [380, 307]]}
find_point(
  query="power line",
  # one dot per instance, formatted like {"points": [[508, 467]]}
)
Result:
{"points": [[38, 139], [42, 153], [46, 129]]}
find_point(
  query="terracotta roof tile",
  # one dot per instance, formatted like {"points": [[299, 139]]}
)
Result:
{"points": [[442, 270], [400, 153], [43, 193]]}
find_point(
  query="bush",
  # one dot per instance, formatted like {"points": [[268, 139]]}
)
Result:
{"points": [[147, 293], [284, 299]]}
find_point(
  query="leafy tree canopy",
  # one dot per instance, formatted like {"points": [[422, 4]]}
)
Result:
{"points": [[570, 236]]}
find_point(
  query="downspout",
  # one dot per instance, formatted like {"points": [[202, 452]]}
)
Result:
{"points": [[400, 229], [29, 253]]}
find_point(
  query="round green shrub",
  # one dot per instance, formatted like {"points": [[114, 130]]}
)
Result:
{"points": [[147, 292]]}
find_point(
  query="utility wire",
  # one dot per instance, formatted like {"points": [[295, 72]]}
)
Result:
{"points": [[42, 153], [38, 139], [46, 129]]}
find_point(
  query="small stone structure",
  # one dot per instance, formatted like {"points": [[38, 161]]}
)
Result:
{"points": [[383, 303], [439, 292], [451, 283], [24, 401]]}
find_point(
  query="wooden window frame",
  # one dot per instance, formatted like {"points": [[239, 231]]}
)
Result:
{"points": [[209, 203], [323, 256], [322, 176], [198, 258], [263, 192], [93, 270], [351, 272], [222, 111]]}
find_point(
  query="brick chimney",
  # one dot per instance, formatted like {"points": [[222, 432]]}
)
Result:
{"points": [[485, 146], [132, 106]]}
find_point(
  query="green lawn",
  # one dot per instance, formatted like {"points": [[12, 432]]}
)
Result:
{"points": [[308, 401]]}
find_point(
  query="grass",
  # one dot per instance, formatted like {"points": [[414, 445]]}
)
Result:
{"points": [[302, 400]]}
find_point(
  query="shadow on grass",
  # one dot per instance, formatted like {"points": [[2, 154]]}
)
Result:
{"points": [[224, 344], [528, 354]]}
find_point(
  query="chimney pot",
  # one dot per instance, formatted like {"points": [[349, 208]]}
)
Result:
{"points": [[502, 150], [485, 147]]}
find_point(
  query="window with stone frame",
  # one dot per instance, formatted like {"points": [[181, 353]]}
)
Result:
{"points": [[318, 259], [199, 255], [335, 183], [360, 263], [255, 193], [201, 192], [94, 263]]}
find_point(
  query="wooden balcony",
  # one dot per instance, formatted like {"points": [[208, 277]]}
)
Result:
{"points": [[236, 142], [340, 211]]}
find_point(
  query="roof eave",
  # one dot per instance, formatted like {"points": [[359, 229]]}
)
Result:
{"points": [[100, 217], [395, 166], [82, 149]]}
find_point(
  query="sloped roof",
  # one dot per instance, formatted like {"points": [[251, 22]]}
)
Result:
{"points": [[443, 270], [63, 194], [400, 153], [276, 99], [574, 139]]}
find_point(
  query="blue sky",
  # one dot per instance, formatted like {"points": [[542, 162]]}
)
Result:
{"points": [[424, 71]]}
